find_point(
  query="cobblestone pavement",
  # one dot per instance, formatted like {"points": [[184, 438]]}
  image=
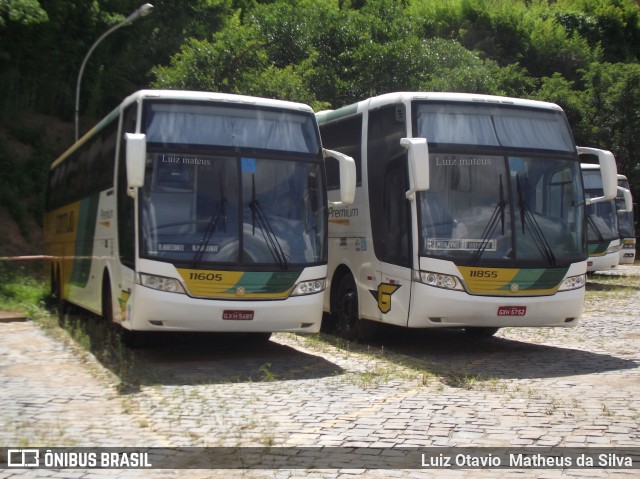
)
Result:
{"points": [[525, 387]]}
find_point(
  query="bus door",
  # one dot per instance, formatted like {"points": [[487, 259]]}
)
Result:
{"points": [[394, 249]]}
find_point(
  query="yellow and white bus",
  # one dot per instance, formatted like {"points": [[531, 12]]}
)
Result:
{"points": [[627, 221], [603, 239], [469, 213], [195, 211], [604, 233]]}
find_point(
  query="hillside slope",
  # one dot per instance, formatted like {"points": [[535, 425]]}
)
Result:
{"points": [[28, 145]]}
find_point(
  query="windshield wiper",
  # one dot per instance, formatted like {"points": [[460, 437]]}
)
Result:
{"points": [[594, 226], [528, 218], [271, 239], [221, 212], [490, 228]]}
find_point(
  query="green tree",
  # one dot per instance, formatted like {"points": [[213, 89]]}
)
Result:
{"points": [[22, 11], [613, 92]]}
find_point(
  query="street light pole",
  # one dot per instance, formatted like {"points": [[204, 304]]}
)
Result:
{"points": [[140, 12]]}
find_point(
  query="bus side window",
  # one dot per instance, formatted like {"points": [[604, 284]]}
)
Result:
{"points": [[343, 136], [396, 213]]}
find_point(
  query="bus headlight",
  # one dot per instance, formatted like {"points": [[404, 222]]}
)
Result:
{"points": [[161, 283], [309, 287], [613, 249], [573, 282], [438, 280]]}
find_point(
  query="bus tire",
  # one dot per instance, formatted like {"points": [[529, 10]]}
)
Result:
{"points": [[346, 312], [107, 300], [130, 339], [258, 338], [481, 332], [62, 307]]}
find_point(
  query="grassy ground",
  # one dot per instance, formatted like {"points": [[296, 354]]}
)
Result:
{"points": [[23, 289]]}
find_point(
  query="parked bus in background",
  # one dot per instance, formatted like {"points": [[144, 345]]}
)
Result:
{"points": [[603, 236], [627, 221], [469, 213], [194, 211]]}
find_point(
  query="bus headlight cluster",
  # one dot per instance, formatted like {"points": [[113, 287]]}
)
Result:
{"points": [[161, 283], [613, 249], [573, 282], [438, 280], [309, 287]]}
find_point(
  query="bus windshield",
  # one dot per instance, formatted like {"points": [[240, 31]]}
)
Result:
{"points": [[602, 220], [508, 203], [626, 225], [232, 186]]}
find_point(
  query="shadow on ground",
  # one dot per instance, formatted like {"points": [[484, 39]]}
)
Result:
{"points": [[192, 358], [453, 354]]}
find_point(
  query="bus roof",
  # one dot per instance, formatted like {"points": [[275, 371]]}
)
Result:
{"points": [[182, 95], [213, 96], [406, 97], [589, 166]]}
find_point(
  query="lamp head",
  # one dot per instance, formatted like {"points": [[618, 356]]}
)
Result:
{"points": [[140, 12]]}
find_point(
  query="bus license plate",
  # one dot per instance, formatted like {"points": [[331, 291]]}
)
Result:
{"points": [[512, 311], [237, 315]]}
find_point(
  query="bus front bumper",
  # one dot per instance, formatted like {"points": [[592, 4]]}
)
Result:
{"points": [[440, 308], [604, 262], [155, 310]]}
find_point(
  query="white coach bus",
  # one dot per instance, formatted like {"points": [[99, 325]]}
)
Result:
{"points": [[603, 231], [194, 211], [469, 213], [627, 221]]}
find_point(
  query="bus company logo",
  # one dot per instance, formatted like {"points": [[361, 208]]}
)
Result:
{"points": [[23, 458], [185, 160], [342, 215], [105, 217], [64, 222], [469, 161], [383, 295]]}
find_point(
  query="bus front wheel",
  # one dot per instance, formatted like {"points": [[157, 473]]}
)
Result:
{"points": [[61, 305], [346, 313], [481, 332], [107, 301]]}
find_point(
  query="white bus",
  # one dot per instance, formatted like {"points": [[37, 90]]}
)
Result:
{"points": [[469, 213], [626, 222], [195, 211], [603, 236]]}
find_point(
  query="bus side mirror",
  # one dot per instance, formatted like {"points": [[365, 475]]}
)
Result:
{"points": [[347, 175], [628, 200], [608, 171], [136, 159], [418, 157]]}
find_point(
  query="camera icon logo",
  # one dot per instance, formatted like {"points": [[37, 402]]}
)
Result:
{"points": [[23, 457]]}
